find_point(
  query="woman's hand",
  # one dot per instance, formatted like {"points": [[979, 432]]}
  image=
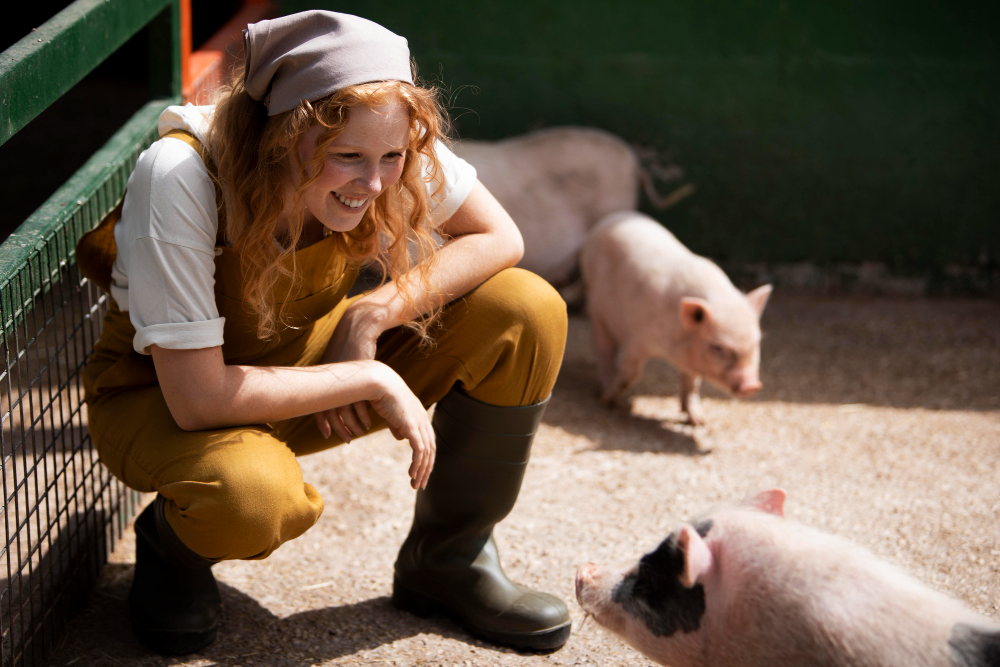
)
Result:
{"points": [[407, 419], [353, 340]]}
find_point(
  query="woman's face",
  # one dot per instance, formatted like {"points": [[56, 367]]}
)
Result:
{"points": [[361, 163]]}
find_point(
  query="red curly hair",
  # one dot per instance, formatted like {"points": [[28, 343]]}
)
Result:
{"points": [[249, 155]]}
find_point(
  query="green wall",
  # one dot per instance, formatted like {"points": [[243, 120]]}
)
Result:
{"points": [[818, 130]]}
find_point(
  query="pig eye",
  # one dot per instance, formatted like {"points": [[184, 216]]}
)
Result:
{"points": [[717, 350]]}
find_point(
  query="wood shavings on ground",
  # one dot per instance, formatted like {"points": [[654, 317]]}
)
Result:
{"points": [[880, 416]]}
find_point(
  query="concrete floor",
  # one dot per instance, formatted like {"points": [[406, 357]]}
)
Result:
{"points": [[880, 416]]}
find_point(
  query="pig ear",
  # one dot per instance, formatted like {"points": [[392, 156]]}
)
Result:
{"points": [[694, 312], [771, 501], [697, 556], [758, 298]]}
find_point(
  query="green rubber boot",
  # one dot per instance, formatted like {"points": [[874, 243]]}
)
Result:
{"points": [[174, 601], [449, 562]]}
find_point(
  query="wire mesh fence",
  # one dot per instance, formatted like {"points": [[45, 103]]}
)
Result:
{"points": [[63, 511]]}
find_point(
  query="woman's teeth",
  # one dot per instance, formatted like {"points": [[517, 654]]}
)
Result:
{"points": [[353, 203]]}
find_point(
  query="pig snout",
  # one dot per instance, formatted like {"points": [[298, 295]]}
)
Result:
{"points": [[746, 389], [744, 382], [595, 588], [585, 575]]}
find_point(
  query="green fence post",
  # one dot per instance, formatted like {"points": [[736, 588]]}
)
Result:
{"points": [[43, 65], [63, 510]]}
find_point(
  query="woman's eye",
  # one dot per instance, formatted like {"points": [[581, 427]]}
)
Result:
{"points": [[393, 156], [345, 156]]}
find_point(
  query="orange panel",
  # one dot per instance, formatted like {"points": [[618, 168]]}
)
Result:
{"points": [[208, 67], [185, 44]]}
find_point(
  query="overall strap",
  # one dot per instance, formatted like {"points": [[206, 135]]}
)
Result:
{"points": [[192, 141], [96, 250], [187, 138]]}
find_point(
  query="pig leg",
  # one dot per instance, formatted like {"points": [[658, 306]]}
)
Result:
{"points": [[691, 399], [606, 350], [628, 370]]}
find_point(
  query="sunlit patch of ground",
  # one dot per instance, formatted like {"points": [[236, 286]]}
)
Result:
{"points": [[881, 417]]}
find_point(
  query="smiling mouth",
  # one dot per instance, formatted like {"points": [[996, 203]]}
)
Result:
{"points": [[349, 201]]}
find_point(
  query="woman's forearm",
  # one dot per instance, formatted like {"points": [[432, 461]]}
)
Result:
{"points": [[484, 240], [463, 264], [202, 392]]}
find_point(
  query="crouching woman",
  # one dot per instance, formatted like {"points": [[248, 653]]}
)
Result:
{"points": [[231, 347]]}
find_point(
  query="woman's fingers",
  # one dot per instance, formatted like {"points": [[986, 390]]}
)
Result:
{"points": [[338, 426], [349, 417], [420, 482], [354, 420], [407, 420], [412, 472], [416, 461], [323, 424], [424, 450], [427, 459], [361, 408], [348, 421]]}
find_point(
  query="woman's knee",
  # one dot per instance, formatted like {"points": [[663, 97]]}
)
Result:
{"points": [[247, 509], [524, 302], [520, 335]]}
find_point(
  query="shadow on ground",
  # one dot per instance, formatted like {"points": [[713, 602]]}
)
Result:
{"points": [[102, 636], [901, 352], [49, 576], [911, 486], [575, 408]]}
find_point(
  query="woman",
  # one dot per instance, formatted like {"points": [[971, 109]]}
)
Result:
{"points": [[231, 347]]}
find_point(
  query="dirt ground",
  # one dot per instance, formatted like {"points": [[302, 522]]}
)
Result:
{"points": [[880, 416]]}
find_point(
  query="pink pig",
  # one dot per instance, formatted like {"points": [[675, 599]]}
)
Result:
{"points": [[742, 587], [556, 184], [650, 297]]}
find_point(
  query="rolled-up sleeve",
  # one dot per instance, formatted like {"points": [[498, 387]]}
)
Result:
{"points": [[167, 247], [455, 178], [168, 301]]}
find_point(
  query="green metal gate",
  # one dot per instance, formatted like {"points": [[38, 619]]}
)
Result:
{"points": [[63, 511]]}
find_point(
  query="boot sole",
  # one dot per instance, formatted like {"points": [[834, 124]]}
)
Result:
{"points": [[422, 605], [173, 643]]}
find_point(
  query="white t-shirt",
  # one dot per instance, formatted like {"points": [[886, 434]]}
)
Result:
{"points": [[164, 272]]}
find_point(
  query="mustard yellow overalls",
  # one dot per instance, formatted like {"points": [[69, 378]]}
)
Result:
{"points": [[239, 492]]}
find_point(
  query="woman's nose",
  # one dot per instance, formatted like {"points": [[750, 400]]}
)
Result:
{"points": [[370, 181]]}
